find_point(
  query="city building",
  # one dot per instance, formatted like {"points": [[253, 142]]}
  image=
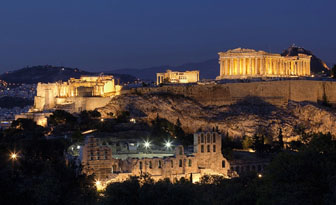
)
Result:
{"points": [[246, 63], [177, 77], [206, 159]]}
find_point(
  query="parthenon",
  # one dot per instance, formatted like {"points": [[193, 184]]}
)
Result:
{"points": [[244, 63]]}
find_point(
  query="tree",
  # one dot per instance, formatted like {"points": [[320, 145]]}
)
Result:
{"points": [[77, 136], [258, 143], [247, 142], [280, 138], [61, 117], [307, 174], [279, 145]]}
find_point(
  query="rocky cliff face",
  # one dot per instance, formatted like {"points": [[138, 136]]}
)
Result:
{"points": [[246, 117]]}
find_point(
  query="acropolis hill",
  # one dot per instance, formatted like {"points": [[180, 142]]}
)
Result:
{"points": [[236, 108]]}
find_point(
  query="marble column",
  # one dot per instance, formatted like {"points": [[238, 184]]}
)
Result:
{"points": [[231, 66], [250, 66], [301, 68], [226, 67], [262, 66], [238, 67], [244, 66]]}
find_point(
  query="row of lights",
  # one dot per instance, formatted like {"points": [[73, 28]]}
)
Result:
{"points": [[147, 144]]}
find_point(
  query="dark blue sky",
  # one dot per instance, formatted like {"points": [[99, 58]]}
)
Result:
{"points": [[110, 34]]}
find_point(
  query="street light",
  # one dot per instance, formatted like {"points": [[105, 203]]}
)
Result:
{"points": [[168, 144], [13, 156], [260, 175], [99, 185], [147, 144]]}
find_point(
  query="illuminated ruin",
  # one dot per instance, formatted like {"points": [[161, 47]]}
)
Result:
{"points": [[244, 63], [177, 77], [75, 95], [206, 159]]}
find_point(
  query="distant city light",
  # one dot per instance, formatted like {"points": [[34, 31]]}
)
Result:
{"points": [[147, 144], [13, 156], [102, 120], [260, 175], [78, 146], [132, 120]]}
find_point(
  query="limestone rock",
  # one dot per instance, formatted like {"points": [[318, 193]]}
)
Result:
{"points": [[237, 120]]}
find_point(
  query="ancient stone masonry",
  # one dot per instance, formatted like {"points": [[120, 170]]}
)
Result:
{"points": [[177, 77], [86, 93], [206, 159], [274, 92], [244, 63]]}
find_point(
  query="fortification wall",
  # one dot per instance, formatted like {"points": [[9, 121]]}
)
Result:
{"points": [[274, 92]]}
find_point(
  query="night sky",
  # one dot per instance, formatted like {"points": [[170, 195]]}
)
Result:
{"points": [[101, 35]]}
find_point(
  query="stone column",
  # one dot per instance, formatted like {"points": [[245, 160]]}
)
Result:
{"points": [[250, 66], [238, 67], [231, 66], [255, 66], [308, 65], [226, 66], [289, 67], [244, 66], [222, 67], [262, 66], [301, 68]]}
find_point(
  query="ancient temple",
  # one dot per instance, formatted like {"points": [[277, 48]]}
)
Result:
{"points": [[245, 63], [177, 77]]}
